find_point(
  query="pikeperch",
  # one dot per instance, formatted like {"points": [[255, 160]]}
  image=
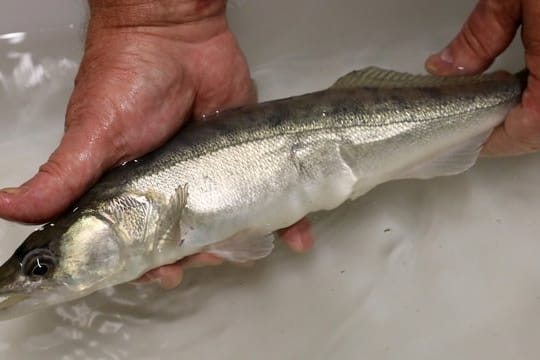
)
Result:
{"points": [[224, 185]]}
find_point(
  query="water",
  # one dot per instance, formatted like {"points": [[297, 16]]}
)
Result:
{"points": [[440, 269]]}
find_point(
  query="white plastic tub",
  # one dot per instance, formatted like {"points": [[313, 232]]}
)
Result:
{"points": [[440, 269]]}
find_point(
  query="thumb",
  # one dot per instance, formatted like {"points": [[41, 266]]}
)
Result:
{"points": [[80, 158], [486, 33]]}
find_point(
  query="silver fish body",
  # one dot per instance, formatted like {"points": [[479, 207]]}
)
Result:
{"points": [[226, 184]]}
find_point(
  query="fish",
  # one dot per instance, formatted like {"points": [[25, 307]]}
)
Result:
{"points": [[226, 184]]}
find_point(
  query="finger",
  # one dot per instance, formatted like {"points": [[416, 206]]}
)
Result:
{"points": [[79, 159], [520, 132], [298, 236], [167, 276], [170, 276], [486, 33], [531, 42]]}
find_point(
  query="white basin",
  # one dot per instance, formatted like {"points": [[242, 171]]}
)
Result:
{"points": [[439, 269]]}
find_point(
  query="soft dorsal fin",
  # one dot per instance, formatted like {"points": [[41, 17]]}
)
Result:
{"points": [[382, 78]]}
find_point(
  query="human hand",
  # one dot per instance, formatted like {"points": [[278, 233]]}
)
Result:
{"points": [[148, 66], [486, 34]]}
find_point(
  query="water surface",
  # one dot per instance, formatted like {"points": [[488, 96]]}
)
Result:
{"points": [[439, 269]]}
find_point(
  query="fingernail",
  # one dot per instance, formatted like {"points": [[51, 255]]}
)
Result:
{"points": [[446, 56], [13, 190], [439, 62], [297, 244], [443, 63]]}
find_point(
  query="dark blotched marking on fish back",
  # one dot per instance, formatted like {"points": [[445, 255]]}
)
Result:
{"points": [[336, 108]]}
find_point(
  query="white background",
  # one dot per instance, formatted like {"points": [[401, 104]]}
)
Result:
{"points": [[454, 276]]}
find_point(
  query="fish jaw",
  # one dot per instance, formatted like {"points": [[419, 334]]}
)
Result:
{"points": [[21, 294], [60, 262]]}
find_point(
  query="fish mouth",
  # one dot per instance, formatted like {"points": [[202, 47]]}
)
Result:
{"points": [[7, 301]]}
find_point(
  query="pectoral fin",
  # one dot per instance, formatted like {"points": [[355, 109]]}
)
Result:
{"points": [[177, 205], [242, 247]]}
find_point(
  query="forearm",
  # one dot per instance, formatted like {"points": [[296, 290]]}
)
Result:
{"points": [[154, 12], [197, 18]]}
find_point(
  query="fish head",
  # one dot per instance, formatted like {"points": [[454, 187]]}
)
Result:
{"points": [[59, 262]]}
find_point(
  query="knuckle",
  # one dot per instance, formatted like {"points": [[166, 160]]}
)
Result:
{"points": [[524, 129], [501, 16], [473, 40], [532, 46], [54, 169], [86, 108], [531, 133], [489, 29], [100, 123], [503, 12], [533, 129], [531, 96]]}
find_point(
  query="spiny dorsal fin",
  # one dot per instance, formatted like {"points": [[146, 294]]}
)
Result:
{"points": [[382, 78]]}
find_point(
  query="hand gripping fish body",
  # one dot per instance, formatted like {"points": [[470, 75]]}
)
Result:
{"points": [[224, 185]]}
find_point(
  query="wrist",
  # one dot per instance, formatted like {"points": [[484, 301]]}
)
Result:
{"points": [[152, 13]]}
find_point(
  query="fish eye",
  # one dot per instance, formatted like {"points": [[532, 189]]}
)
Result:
{"points": [[38, 263]]}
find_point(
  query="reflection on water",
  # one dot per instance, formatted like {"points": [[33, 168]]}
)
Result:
{"points": [[14, 38], [36, 77], [25, 74], [407, 271]]}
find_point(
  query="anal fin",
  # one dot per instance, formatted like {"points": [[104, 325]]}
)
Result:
{"points": [[455, 160], [242, 247]]}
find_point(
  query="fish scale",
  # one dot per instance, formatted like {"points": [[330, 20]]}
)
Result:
{"points": [[224, 185]]}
